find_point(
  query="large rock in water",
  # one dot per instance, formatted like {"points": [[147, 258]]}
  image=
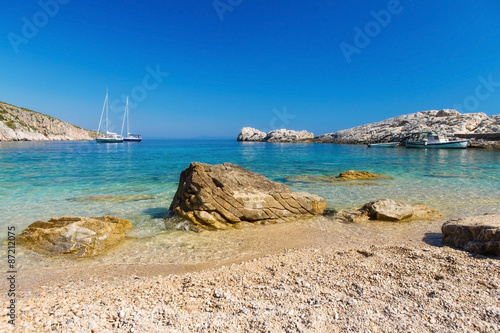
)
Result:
{"points": [[79, 236], [284, 135], [390, 210], [280, 135], [251, 134], [478, 234], [223, 195]]}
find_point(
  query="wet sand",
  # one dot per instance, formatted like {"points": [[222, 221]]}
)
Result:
{"points": [[317, 275]]}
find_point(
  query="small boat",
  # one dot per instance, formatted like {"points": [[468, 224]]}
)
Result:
{"points": [[431, 140], [383, 145], [130, 137], [109, 137]]}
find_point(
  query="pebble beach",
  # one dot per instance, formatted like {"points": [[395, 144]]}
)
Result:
{"points": [[341, 284]]}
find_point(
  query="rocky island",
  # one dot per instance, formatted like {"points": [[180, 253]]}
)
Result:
{"points": [[281, 135], [483, 131], [20, 124]]}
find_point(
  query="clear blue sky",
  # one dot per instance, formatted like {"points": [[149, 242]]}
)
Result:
{"points": [[251, 64]]}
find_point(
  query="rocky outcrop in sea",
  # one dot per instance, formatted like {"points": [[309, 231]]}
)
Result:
{"points": [[477, 126], [280, 135], [225, 195], [251, 134], [483, 131], [20, 124]]}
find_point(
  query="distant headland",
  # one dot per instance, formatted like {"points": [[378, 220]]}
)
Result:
{"points": [[483, 131], [21, 124]]}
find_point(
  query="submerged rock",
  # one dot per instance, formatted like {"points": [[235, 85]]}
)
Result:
{"points": [[347, 175], [477, 234], [224, 195], [310, 179], [115, 198], [390, 210], [79, 236], [354, 175]]}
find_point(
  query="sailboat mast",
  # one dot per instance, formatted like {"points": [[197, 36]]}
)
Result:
{"points": [[126, 107], [102, 113], [124, 116], [107, 105]]}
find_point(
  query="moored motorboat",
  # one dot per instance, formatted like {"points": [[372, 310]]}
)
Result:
{"points": [[383, 145], [429, 140]]}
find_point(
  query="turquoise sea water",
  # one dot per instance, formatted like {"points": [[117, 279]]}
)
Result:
{"points": [[137, 181], [40, 180]]}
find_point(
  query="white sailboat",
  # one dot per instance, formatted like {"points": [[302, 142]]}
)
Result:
{"points": [[108, 137], [129, 137]]}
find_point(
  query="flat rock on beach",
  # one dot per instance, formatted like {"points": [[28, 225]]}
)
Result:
{"points": [[477, 234], [74, 235]]}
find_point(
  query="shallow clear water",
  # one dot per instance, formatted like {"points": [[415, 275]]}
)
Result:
{"points": [[136, 181]]}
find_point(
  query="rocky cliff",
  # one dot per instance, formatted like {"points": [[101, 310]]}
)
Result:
{"points": [[483, 130], [20, 124], [280, 135]]}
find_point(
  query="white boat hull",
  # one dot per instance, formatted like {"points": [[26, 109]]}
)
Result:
{"points": [[457, 144], [132, 139], [383, 145], [108, 140]]}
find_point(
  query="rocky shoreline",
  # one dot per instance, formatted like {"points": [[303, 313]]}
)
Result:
{"points": [[483, 131], [20, 124]]}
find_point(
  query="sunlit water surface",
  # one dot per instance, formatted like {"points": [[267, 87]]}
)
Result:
{"points": [[137, 181]]}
